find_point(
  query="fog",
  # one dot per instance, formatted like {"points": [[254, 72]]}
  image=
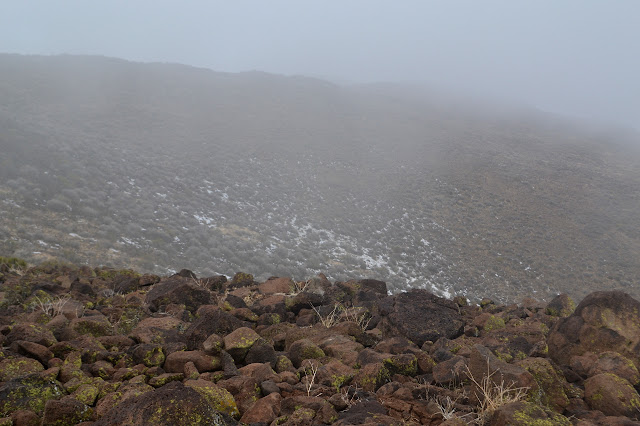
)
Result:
{"points": [[576, 58]]}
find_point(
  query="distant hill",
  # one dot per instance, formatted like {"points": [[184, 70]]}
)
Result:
{"points": [[156, 166]]}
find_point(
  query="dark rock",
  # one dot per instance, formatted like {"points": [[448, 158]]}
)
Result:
{"points": [[275, 285], [33, 350], [420, 316], [396, 345], [603, 321], [359, 413], [215, 283], [261, 352], [211, 320], [304, 349], [175, 361], [264, 411], [67, 410], [156, 407], [526, 413], [148, 354], [612, 395], [29, 332], [177, 290], [451, 371], [241, 279], [560, 306], [28, 393], [238, 342], [235, 301], [185, 273]]}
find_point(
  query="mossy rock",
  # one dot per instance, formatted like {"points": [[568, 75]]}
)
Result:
{"points": [[28, 393], [494, 323], [219, 398], [14, 368]]}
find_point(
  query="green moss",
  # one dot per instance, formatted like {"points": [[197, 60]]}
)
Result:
{"points": [[504, 356], [312, 352], [86, 394], [274, 319], [13, 368], [494, 323], [219, 398], [337, 381], [29, 393], [398, 366], [528, 417], [13, 263]]}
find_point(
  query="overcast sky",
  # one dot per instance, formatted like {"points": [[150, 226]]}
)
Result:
{"points": [[578, 57]]}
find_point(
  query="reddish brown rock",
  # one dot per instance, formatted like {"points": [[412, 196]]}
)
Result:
{"points": [[67, 410], [371, 376], [550, 382], [157, 330], [25, 418], [524, 413], [603, 321], [612, 362], [484, 365], [265, 410], [175, 361], [32, 350], [30, 332], [276, 286], [172, 405], [612, 395], [304, 349], [259, 372], [16, 367], [238, 342], [451, 371], [245, 391]]}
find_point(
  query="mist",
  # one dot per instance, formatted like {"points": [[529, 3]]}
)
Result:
{"points": [[575, 58]]}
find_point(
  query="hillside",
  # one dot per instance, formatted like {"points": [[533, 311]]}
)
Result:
{"points": [[98, 346], [159, 166]]}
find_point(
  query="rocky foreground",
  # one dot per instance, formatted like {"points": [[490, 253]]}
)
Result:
{"points": [[106, 347]]}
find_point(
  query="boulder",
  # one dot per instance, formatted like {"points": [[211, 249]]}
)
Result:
{"points": [[560, 306], [66, 411], [13, 368], [238, 342], [175, 361], [612, 362], [28, 393], [304, 349], [157, 330], [550, 381], [612, 395], [275, 285], [523, 413], [31, 332], [265, 410], [218, 397], [32, 350], [603, 321], [211, 320], [177, 290], [172, 404], [420, 316], [485, 366]]}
